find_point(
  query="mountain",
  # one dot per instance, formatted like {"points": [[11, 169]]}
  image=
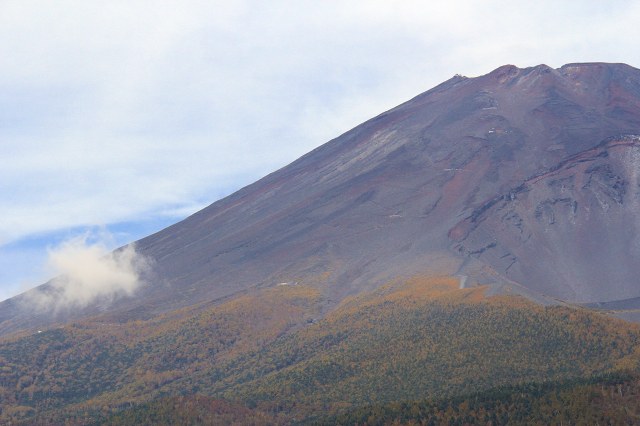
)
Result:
{"points": [[421, 188], [523, 179], [385, 267]]}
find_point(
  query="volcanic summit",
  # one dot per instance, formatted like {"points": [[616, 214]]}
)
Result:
{"points": [[523, 179]]}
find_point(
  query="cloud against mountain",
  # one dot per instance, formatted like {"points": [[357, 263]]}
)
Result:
{"points": [[87, 272]]}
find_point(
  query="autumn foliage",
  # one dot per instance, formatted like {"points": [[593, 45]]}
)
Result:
{"points": [[276, 353]]}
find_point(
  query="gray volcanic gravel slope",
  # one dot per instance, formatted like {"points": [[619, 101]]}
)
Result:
{"points": [[523, 176], [572, 232]]}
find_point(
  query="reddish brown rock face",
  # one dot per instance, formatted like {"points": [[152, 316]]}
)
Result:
{"points": [[520, 176]]}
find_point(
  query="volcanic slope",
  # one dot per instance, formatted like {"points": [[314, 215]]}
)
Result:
{"points": [[524, 179]]}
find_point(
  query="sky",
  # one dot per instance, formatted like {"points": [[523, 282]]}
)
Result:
{"points": [[120, 118]]}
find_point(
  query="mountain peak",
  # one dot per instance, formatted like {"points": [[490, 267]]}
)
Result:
{"points": [[505, 73], [444, 184]]}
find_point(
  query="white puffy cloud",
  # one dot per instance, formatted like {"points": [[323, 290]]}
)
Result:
{"points": [[87, 272]]}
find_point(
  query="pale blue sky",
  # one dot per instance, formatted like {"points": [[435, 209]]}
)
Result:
{"points": [[123, 117]]}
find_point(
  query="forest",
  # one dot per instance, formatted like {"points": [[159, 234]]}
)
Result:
{"points": [[272, 356], [611, 399]]}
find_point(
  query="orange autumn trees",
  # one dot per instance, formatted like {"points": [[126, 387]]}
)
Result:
{"points": [[274, 350]]}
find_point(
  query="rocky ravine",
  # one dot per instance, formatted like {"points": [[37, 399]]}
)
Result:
{"points": [[572, 231]]}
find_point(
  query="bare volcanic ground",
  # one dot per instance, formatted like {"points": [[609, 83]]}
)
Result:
{"points": [[572, 232], [525, 178]]}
